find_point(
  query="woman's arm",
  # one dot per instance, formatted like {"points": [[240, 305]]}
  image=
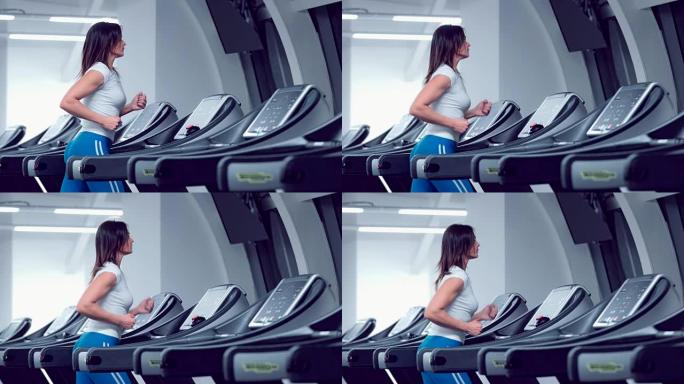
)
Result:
{"points": [[436, 310], [137, 103], [145, 306], [487, 313], [85, 86], [481, 109], [99, 288], [433, 90]]}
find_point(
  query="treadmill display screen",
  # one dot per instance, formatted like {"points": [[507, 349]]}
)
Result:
{"points": [[546, 113], [142, 121], [355, 330], [207, 306], [202, 115], [144, 318], [483, 123], [62, 320], [625, 302], [406, 320], [282, 301], [277, 110], [350, 135], [619, 110], [398, 128], [11, 330], [553, 304], [7, 135], [55, 129]]}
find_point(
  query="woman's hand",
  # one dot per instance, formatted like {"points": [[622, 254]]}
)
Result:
{"points": [[145, 306], [493, 310], [459, 125], [482, 108], [110, 122], [126, 321], [473, 327], [139, 102]]}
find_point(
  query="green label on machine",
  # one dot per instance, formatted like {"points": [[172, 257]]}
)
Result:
{"points": [[605, 367], [154, 363], [254, 177], [492, 170], [498, 363], [598, 175], [261, 367], [148, 171]]}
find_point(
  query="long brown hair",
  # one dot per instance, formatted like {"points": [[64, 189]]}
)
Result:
{"points": [[109, 238], [99, 42], [457, 241], [446, 41]]}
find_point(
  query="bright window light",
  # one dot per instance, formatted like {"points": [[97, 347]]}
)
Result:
{"points": [[42, 229], [428, 19], [391, 36], [25, 36], [352, 210], [9, 209], [7, 17], [403, 230], [434, 212], [93, 212], [349, 16], [82, 20]]}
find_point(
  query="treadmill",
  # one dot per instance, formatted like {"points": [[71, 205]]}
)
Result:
{"points": [[359, 331], [399, 361], [295, 303], [152, 124], [53, 357], [647, 162], [557, 113], [355, 136], [561, 306], [54, 137], [294, 121], [633, 111], [394, 166], [16, 329], [639, 302], [212, 115], [12, 136]]}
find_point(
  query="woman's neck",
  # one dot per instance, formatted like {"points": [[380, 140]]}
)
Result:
{"points": [[110, 61]]}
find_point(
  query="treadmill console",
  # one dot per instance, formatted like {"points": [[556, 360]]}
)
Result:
{"points": [[142, 122], [626, 300], [554, 303], [202, 115], [546, 113], [398, 128], [55, 129], [210, 302], [279, 107], [483, 123], [348, 136], [12, 329], [63, 319], [357, 329], [7, 135], [409, 318], [620, 109], [160, 301], [282, 300]]}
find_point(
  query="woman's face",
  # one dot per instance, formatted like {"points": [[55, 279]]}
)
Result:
{"points": [[127, 248], [118, 50], [464, 51]]}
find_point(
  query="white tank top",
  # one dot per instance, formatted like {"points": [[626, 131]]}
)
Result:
{"points": [[117, 301], [454, 103], [463, 307], [109, 100]]}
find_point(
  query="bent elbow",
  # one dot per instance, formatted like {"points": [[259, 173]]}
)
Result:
{"points": [[82, 308], [430, 314], [415, 110]]}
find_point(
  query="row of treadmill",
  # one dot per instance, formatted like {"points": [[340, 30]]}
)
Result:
{"points": [[293, 333], [635, 334], [632, 141], [288, 143]]}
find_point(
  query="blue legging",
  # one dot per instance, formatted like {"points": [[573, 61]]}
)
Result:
{"points": [[99, 340], [89, 144], [435, 145], [442, 378]]}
